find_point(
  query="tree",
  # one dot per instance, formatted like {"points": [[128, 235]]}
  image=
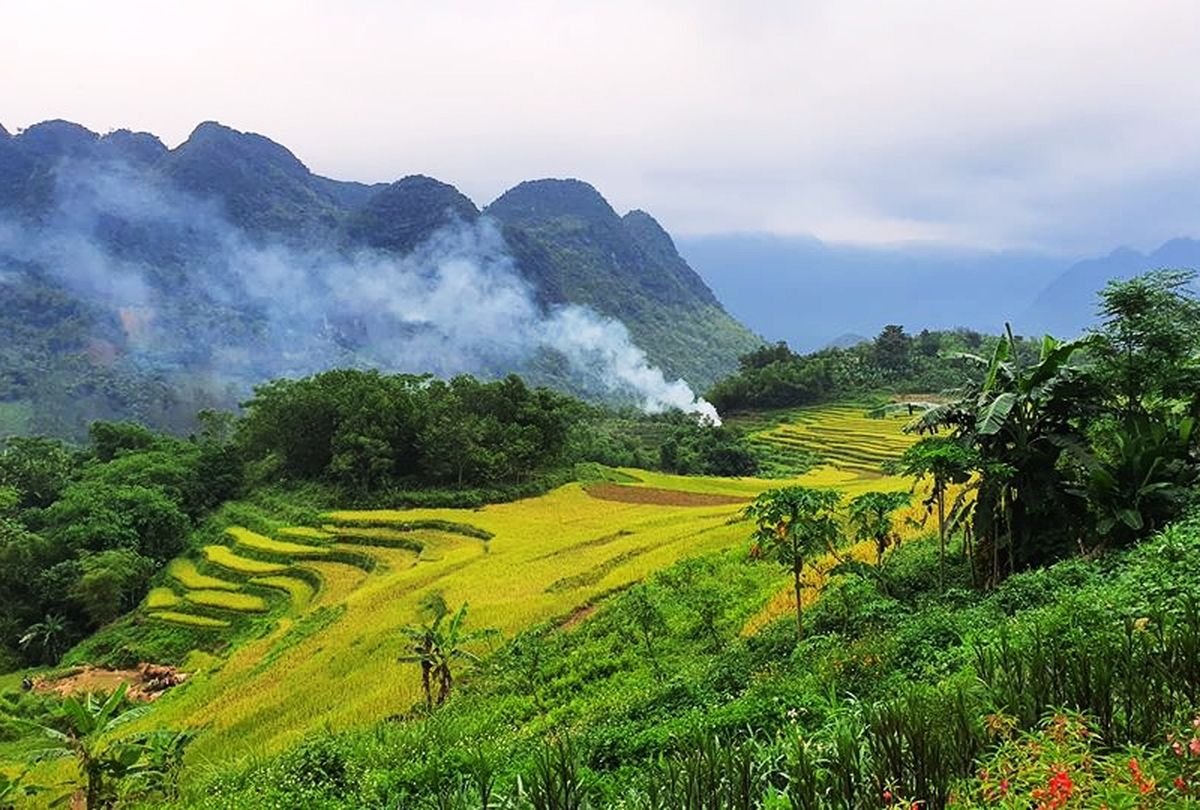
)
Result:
{"points": [[893, 348], [1013, 429], [793, 525], [1147, 346], [89, 739], [871, 516], [437, 644], [113, 582], [947, 462], [644, 616], [49, 637], [37, 468]]}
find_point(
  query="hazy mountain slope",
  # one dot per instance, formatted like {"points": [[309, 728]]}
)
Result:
{"points": [[1068, 304], [627, 268], [808, 292], [225, 261]]}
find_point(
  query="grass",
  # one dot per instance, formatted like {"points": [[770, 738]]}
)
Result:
{"points": [[184, 571], [244, 538], [224, 557], [228, 600], [188, 619]]}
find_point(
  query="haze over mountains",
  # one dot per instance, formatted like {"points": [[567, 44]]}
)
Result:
{"points": [[825, 294], [132, 271]]}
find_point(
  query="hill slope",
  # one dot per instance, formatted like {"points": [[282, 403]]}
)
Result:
{"points": [[136, 269]]}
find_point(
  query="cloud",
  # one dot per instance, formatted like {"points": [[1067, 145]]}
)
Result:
{"points": [[982, 123]]}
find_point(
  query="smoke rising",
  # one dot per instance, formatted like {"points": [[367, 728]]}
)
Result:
{"points": [[186, 289]]}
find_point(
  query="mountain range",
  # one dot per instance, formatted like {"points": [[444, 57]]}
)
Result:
{"points": [[861, 289], [145, 281]]}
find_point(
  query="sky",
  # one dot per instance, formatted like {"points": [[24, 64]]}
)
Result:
{"points": [[1067, 127]]}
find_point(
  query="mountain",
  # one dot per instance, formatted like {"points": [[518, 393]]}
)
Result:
{"points": [[624, 267], [131, 271], [1067, 305], [820, 291]]}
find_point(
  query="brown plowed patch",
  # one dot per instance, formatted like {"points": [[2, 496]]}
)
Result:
{"points": [[146, 682], [658, 497], [578, 616]]}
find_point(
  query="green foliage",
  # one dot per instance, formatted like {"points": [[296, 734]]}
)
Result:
{"points": [[795, 524], [776, 377], [871, 516], [88, 737], [364, 431]]}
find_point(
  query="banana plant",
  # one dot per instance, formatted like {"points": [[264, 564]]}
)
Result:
{"points": [[104, 759]]}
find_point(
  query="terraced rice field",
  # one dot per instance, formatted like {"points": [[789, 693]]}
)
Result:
{"points": [[327, 649], [843, 437]]}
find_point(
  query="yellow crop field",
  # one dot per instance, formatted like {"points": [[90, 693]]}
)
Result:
{"points": [[257, 542], [224, 557], [228, 600], [183, 571], [332, 659], [161, 598], [304, 532], [191, 619]]}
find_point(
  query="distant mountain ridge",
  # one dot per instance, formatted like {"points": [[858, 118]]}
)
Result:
{"points": [[858, 290], [564, 240]]}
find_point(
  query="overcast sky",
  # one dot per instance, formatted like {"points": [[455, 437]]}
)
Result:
{"points": [[1066, 126]]}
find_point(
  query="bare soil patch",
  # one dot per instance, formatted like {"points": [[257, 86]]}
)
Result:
{"points": [[578, 616], [658, 497], [146, 683]]}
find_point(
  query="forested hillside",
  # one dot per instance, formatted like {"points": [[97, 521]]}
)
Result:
{"points": [[148, 282]]}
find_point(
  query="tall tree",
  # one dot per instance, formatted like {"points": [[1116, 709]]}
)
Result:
{"points": [[794, 524], [946, 461]]}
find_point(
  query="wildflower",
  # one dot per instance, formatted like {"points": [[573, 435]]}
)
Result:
{"points": [[1177, 747], [1194, 746], [1141, 624], [887, 796], [1003, 787], [1181, 784]]}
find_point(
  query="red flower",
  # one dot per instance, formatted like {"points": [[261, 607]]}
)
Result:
{"points": [[1181, 784]]}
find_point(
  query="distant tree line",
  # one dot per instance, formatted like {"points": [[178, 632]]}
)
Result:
{"points": [[774, 376]]}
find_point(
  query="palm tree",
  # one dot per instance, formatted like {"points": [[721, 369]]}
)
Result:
{"points": [[436, 645], [89, 740], [49, 636], [795, 523]]}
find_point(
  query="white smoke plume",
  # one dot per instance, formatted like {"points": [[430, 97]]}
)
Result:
{"points": [[456, 304]]}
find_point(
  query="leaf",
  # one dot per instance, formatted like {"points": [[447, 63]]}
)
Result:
{"points": [[996, 414], [1131, 518], [998, 357]]}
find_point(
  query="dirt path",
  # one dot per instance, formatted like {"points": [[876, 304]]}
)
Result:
{"points": [[146, 682], [658, 497]]}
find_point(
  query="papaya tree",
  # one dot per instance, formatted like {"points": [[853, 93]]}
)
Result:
{"points": [[872, 518], [793, 526], [946, 461]]}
